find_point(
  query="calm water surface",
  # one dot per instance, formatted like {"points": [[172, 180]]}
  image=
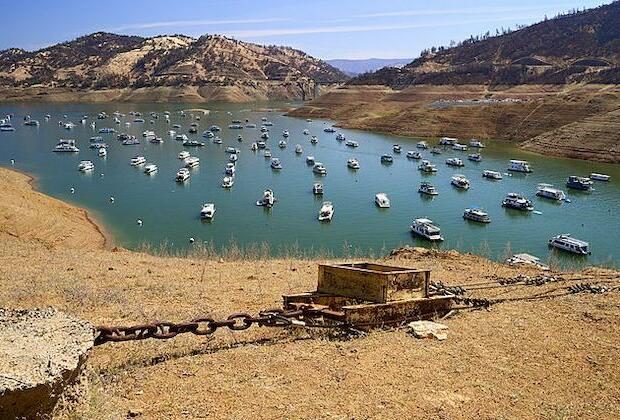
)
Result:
{"points": [[170, 211]]}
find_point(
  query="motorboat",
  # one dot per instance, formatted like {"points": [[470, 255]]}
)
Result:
{"points": [[85, 166], [106, 130], [208, 134], [476, 143], [176, 126], [329, 130], [396, 148], [412, 154], [427, 166], [148, 133], [268, 124], [460, 181], [137, 160], [353, 163], [517, 202], [427, 188], [264, 136], [448, 141], [548, 191], [217, 140], [138, 120], [382, 200], [285, 133], [319, 169], [235, 127], [229, 169], [182, 175], [31, 123], [267, 153], [298, 149], [214, 128], [310, 160], [476, 215], [150, 168], [233, 157], [181, 137], [436, 151], [567, 243], [314, 140], [67, 146], [425, 228], [261, 144], [6, 126], [491, 174], [69, 126], [97, 139], [459, 147], [317, 188], [282, 144], [120, 137], [475, 157], [421, 145], [305, 132], [352, 143], [519, 166], [193, 143], [208, 211], [232, 150], [599, 177], [326, 213], [340, 137], [268, 199], [454, 162], [387, 158], [98, 146], [263, 129], [254, 147], [579, 183], [276, 163], [184, 154], [130, 141], [228, 181], [102, 152], [192, 162], [250, 126]]}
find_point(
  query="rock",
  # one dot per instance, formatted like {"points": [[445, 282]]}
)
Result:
{"points": [[428, 329], [134, 412]]}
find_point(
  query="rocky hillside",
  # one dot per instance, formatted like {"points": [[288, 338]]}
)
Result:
{"points": [[109, 61], [577, 47]]}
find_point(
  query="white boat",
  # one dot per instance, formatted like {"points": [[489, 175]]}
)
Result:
{"points": [[579, 183], [267, 153], [214, 128], [454, 162], [229, 169], [102, 152], [193, 143], [396, 148], [282, 144], [231, 150], [310, 160], [235, 126], [436, 151], [263, 129], [298, 149], [276, 164], [206, 134], [412, 154], [427, 188], [130, 141], [317, 188], [353, 163], [208, 211], [182, 175], [427, 166], [184, 154], [147, 133], [387, 158], [426, 229], [305, 132], [66, 146], [85, 166], [352, 143], [476, 215], [319, 169], [138, 160], [476, 143], [156, 140], [70, 125], [599, 177], [570, 244], [233, 157], [250, 125], [518, 202], [519, 166], [192, 162], [327, 212], [285, 133], [421, 145], [261, 144], [548, 191], [264, 136], [340, 137], [475, 157], [458, 146], [329, 130], [150, 168], [217, 140], [460, 181], [268, 124], [181, 137], [448, 141], [382, 200], [314, 140], [254, 147], [268, 199], [491, 174], [228, 182], [104, 130], [5, 126]]}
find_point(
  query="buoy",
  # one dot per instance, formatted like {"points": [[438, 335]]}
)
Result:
{"points": [[139, 222], [191, 240], [72, 190]]}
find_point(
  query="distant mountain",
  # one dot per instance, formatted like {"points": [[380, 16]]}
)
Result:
{"points": [[577, 47], [103, 60], [355, 67]]}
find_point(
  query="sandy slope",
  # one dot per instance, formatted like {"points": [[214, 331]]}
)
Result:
{"points": [[541, 359]]}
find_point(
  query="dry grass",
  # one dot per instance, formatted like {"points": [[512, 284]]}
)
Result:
{"points": [[540, 359]]}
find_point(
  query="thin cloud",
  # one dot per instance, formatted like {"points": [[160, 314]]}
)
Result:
{"points": [[179, 23], [475, 10], [259, 33]]}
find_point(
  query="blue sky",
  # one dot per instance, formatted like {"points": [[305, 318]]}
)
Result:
{"points": [[323, 28]]}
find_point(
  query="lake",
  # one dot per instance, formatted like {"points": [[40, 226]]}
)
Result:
{"points": [[170, 211]]}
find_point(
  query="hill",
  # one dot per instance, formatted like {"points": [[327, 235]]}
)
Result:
{"points": [[355, 67], [577, 47], [108, 61]]}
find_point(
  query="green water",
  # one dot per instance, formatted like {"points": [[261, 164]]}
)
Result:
{"points": [[170, 212]]}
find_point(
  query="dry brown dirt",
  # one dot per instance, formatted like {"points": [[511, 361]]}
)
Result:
{"points": [[573, 121], [552, 358]]}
